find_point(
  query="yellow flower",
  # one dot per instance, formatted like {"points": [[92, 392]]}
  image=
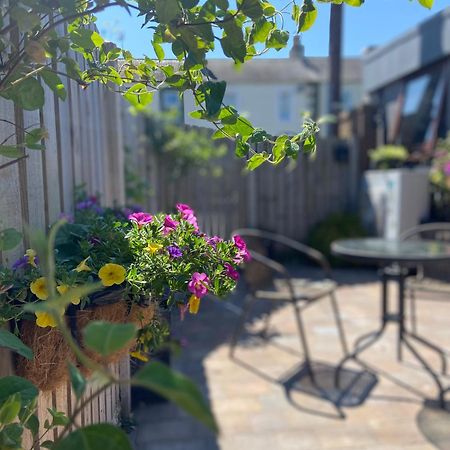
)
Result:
{"points": [[139, 355], [63, 288], [39, 288], [83, 267], [45, 319], [153, 247], [31, 255], [194, 304], [112, 274]]}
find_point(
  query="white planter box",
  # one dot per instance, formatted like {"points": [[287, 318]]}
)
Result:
{"points": [[395, 200]]}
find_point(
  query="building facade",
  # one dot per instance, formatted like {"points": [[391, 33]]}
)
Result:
{"points": [[408, 80], [274, 93]]}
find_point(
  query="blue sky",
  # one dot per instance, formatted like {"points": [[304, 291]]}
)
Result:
{"points": [[376, 23]]}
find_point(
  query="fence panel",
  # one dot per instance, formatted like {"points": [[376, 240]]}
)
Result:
{"points": [[83, 145]]}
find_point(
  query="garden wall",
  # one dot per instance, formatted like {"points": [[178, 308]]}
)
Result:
{"points": [[287, 199], [84, 145]]}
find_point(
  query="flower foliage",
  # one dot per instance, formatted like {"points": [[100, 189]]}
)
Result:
{"points": [[163, 257], [440, 165]]}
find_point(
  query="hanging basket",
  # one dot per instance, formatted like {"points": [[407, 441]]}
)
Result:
{"points": [[51, 353], [115, 312]]}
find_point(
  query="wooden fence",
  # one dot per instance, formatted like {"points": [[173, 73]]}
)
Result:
{"points": [[84, 146], [287, 199]]}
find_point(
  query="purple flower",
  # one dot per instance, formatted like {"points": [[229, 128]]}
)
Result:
{"points": [[169, 225], [447, 168], [231, 272], [21, 263], [199, 284], [90, 203], [174, 251], [213, 241], [67, 217], [94, 240], [243, 253], [140, 218]]}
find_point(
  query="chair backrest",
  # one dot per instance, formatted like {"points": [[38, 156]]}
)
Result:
{"points": [[439, 231], [262, 271]]}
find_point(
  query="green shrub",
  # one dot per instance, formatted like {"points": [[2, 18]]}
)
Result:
{"points": [[335, 226], [388, 156]]}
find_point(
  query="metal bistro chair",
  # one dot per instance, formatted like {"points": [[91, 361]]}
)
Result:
{"points": [[422, 282], [299, 292]]}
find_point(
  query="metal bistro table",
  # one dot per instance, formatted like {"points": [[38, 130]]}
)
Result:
{"points": [[395, 259]]}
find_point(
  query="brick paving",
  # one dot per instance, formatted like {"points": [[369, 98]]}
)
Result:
{"points": [[262, 402]]}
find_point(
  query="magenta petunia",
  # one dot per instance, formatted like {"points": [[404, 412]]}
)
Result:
{"points": [[239, 242], [199, 284], [140, 218], [447, 168], [169, 225], [187, 213], [231, 272]]}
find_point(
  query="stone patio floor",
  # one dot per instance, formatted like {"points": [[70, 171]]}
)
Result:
{"points": [[262, 402]]}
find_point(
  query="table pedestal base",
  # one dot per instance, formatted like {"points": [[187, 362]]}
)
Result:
{"points": [[397, 274]]}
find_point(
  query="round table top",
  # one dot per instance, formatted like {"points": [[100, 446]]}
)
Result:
{"points": [[389, 251]]}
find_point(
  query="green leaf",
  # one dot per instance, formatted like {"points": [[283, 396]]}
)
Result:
{"points": [[86, 39], [30, 94], [177, 388], [214, 92], [242, 148], [101, 436], [278, 39], [11, 341], [107, 337], [12, 384], [167, 10], [138, 95], [427, 3], [77, 380], [251, 8], [10, 238], [278, 150], [255, 161], [34, 137], [10, 409], [33, 424], [59, 418], [11, 437], [55, 83], [158, 50], [11, 151], [306, 17]]}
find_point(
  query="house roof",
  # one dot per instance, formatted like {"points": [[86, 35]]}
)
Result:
{"points": [[283, 70]]}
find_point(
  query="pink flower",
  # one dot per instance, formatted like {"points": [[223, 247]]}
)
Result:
{"points": [[239, 242], [185, 210], [447, 168], [199, 284], [140, 218], [187, 213], [169, 225], [231, 272], [243, 253]]}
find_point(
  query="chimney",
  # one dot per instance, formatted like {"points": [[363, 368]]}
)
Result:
{"points": [[297, 50]]}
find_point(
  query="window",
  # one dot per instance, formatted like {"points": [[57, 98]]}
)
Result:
{"points": [[421, 107], [285, 107], [170, 100]]}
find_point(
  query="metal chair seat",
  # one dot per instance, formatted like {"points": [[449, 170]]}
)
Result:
{"points": [[304, 289]]}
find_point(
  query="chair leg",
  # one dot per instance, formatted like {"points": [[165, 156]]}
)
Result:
{"points": [[265, 330], [340, 327], [413, 310], [248, 303], [303, 340]]}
